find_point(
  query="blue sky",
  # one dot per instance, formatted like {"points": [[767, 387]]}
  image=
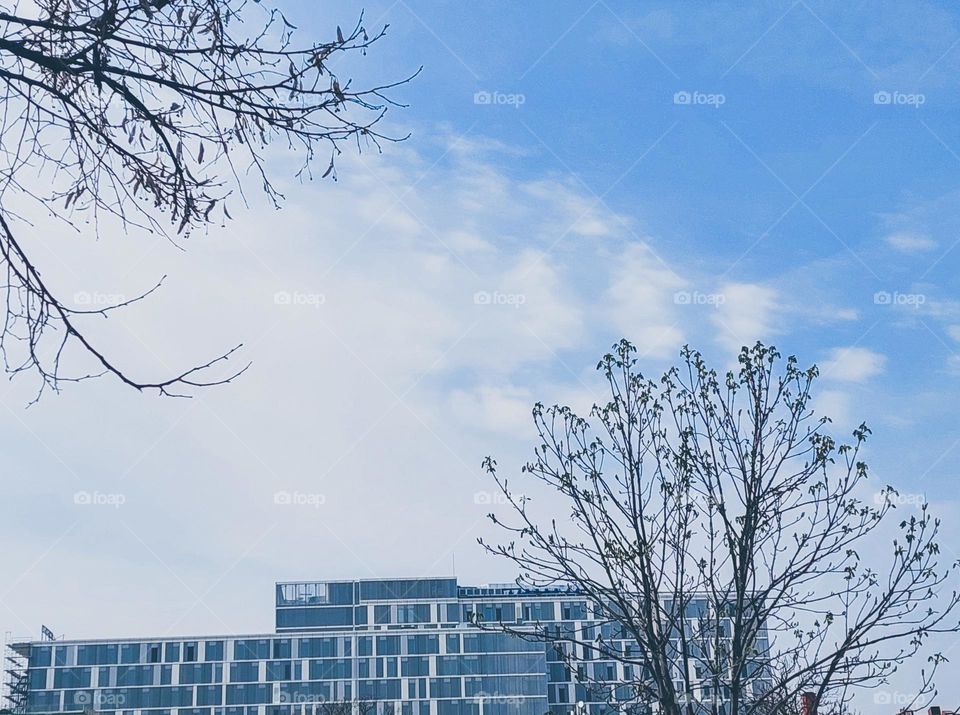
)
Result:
{"points": [[808, 194], [800, 181]]}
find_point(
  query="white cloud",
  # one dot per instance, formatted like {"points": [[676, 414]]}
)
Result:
{"points": [[835, 404], [745, 315], [642, 302], [852, 364], [577, 213], [524, 311], [907, 242], [468, 241], [505, 409]]}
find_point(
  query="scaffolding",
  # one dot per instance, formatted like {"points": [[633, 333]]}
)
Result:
{"points": [[15, 674], [16, 654]]}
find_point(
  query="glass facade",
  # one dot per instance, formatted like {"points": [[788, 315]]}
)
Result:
{"points": [[403, 646]]}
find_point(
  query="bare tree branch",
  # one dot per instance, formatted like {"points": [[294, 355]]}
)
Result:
{"points": [[146, 113]]}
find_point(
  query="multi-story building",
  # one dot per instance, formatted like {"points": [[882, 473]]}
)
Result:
{"points": [[405, 646]]}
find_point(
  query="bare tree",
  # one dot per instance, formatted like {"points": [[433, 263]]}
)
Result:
{"points": [[147, 112], [728, 547]]}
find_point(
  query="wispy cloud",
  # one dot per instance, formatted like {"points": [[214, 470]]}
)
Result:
{"points": [[910, 242], [852, 364]]}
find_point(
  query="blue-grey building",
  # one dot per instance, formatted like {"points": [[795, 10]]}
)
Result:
{"points": [[403, 646]]}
